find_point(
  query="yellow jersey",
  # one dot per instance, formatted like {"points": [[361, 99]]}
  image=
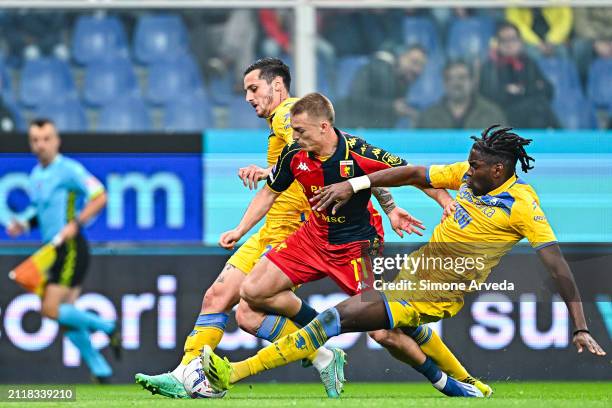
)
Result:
{"points": [[467, 245], [292, 203]]}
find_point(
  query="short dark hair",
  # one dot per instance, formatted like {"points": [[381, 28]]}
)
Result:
{"points": [[270, 68], [502, 145], [505, 24], [457, 63], [40, 122], [315, 105]]}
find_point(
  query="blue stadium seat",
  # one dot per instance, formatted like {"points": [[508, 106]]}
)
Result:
{"points": [[68, 115], [159, 37], [575, 112], [169, 80], [97, 37], [421, 31], [469, 38], [190, 113], [107, 79], [123, 115], [20, 122], [220, 89], [242, 115], [428, 88], [562, 74], [45, 80], [347, 68], [599, 83]]}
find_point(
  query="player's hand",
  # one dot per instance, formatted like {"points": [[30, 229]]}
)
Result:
{"points": [[251, 175], [15, 229], [449, 209], [69, 231], [402, 221], [229, 239], [337, 194], [584, 340]]}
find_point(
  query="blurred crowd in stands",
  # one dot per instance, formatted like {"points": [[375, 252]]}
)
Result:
{"points": [[181, 70]]}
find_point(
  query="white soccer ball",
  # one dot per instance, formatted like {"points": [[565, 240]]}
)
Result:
{"points": [[195, 382]]}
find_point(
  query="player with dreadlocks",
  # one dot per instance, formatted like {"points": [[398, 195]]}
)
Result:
{"points": [[494, 209]]}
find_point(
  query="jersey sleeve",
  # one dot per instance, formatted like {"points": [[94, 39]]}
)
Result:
{"points": [[529, 220], [281, 176], [372, 158], [85, 182], [447, 176]]}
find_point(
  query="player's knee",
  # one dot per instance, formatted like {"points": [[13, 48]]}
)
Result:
{"points": [[385, 338], [247, 319], [217, 299], [250, 294]]}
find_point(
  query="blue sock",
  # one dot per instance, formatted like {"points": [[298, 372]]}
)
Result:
{"points": [[72, 317], [304, 315], [443, 383], [92, 357], [323, 327], [271, 327]]}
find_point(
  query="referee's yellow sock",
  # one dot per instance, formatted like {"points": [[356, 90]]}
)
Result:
{"points": [[433, 346], [208, 330]]}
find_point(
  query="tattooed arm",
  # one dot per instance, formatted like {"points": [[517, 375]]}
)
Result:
{"points": [[384, 198], [400, 219]]}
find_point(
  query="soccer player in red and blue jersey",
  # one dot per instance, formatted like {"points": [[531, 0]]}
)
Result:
{"points": [[339, 245]]}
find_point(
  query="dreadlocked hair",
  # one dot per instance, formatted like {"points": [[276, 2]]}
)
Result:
{"points": [[504, 145]]}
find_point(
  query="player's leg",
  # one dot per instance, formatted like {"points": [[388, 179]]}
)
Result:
{"points": [[218, 301], [352, 315]]}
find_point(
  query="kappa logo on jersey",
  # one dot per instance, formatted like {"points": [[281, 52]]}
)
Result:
{"points": [[347, 168], [302, 166]]}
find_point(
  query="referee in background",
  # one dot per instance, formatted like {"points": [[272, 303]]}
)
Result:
{"points": [[64, 197]]}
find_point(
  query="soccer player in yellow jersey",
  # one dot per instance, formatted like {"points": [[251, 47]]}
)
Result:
{"points": [[494, 210]]}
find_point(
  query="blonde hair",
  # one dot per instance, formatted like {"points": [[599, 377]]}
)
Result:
{"points": [[315, 105]]}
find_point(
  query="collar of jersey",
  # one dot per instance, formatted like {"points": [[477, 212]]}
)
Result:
{"points": [[56, 160], [509, 183], [342, 150]]}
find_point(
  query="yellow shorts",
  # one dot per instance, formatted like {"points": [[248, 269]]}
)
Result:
{"points": [[410, 308], [267, 237]]}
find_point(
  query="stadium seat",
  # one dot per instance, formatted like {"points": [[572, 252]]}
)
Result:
{"points": [[159, 37], [242, 115], [575, 112], [106, 79], [124, 115], [68, 115], [45, 80], [562, 74], [169, 80], [347, 68], [599, 83], [6, 87], [428, 88], [96, 37], [421, 31], [469, 38], [190, 113]]}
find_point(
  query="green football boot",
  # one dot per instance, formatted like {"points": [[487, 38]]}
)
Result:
{"points": [[332, 376], [162, 384]]}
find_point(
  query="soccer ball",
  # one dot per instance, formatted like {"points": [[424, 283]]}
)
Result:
{"points": [[195, 382]]}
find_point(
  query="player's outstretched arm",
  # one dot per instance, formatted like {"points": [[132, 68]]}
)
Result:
{"points": [[554, 261], [338, 194], [258, 208]]}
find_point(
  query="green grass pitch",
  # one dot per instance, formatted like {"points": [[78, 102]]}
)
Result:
{"points": [[510, 394]]}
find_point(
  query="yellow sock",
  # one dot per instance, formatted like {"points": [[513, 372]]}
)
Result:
{"points": [[276, 327], [294, 347], [208, 330], [433, 346]]}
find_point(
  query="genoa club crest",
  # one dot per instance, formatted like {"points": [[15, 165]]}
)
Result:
{"points": [[347, 168]]}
